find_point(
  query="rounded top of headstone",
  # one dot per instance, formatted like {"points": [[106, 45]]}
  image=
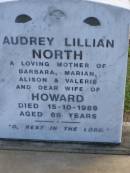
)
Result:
{"points": [[117, 3], [3, 1]]}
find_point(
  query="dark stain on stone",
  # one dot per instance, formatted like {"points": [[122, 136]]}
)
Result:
{"points": [[57, 14], [23, 18], [92, 21], [2, 80]]}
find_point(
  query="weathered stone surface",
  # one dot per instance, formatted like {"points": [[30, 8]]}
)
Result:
{"points": [[19, 162], [63, 70]]}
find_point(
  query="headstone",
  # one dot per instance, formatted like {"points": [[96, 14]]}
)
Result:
{"points": [[63, 68]]}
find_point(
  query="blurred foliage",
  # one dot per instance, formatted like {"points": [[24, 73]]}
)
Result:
{"points": [[127, 96]]}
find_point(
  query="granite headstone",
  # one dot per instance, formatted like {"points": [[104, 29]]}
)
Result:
{"points": [[63, 67]]}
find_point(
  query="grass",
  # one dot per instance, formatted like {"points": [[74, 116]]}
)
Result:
{"points": [[127, 96]]}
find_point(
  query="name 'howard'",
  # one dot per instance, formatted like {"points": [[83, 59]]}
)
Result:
{"points": [[57, 97]]}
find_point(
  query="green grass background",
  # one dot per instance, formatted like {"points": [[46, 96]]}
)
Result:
{"points": [[127, 96]]}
